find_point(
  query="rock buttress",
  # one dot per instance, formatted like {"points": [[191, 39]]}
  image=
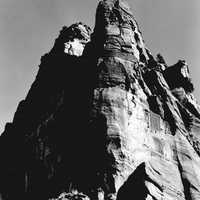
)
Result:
{"points": [[104, 120]]}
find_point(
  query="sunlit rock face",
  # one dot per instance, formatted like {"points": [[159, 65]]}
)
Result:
{"points": [[72, 40], [74, 47], [104, 120], [118, 31]]}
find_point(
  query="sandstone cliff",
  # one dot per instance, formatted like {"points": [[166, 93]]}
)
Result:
{"points": [[104, 119]]}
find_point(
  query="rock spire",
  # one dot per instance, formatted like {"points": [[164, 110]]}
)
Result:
{"points": [[104, 120]]}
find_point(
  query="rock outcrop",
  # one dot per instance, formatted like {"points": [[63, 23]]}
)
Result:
{"points": [[104, 120]]}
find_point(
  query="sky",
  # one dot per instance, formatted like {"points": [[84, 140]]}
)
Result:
{"points": [[28, 29]]}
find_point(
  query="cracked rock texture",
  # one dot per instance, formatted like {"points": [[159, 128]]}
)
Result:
{"points": [[104, 120]]}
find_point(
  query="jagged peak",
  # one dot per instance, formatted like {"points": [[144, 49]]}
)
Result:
{"points": [[117, 3], [115, 21], [115, 12], [178, 75], [72, 39], [160, 59]]}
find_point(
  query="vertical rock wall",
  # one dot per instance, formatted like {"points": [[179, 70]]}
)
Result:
{"points": [[104, 120]]}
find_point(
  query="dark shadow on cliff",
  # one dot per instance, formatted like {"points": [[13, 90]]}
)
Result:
{"points": [[134, 187]]}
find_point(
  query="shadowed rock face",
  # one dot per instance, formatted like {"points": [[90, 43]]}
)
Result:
{"points": [[181, 71], [104, 120]]}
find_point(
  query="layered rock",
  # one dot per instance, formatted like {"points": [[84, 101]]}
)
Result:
{"points": [[104, 119]]}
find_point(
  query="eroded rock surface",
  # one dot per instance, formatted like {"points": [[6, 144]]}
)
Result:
{"points": [[104, 120]]}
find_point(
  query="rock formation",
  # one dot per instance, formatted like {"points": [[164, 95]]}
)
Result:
{"points": [[104, 120]]}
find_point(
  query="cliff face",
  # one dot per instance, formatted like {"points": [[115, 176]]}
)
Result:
{"points": [[104, 119]]}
